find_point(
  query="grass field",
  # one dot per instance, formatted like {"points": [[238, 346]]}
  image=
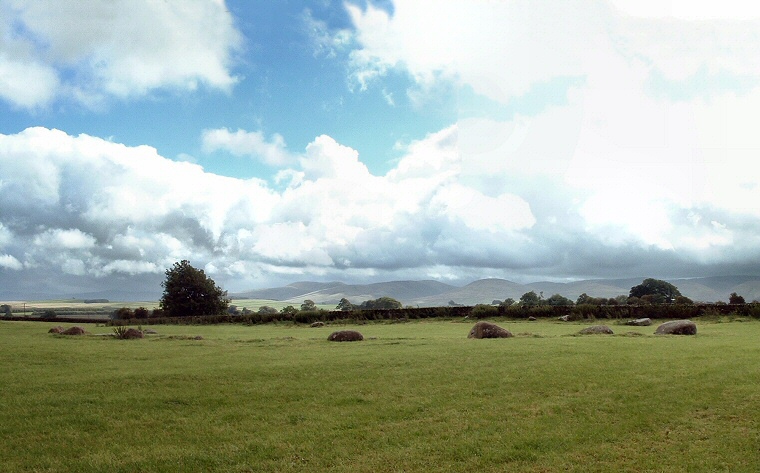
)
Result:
{"points": [[412, 397]]}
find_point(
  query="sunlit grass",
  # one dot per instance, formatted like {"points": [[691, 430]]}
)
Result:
{"points": [[415, 396]]}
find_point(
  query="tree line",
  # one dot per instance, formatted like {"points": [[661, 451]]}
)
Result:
{"points": [[190, 292]]}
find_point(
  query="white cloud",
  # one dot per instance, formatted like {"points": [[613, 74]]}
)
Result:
{"points": [[92, 208], [71, 239], [689, 10], [253, 144], [27, 84], [611, 121], [119, 48], [10, 262]]}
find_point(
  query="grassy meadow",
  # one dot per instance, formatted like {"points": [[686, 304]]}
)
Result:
{"points": [[412, 397]]}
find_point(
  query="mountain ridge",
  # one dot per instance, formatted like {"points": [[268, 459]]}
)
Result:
{"points": [[429, 293]]}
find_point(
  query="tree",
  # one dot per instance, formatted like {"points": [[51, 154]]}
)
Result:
{"points": [[266, 310], [123, 313], [530, 298], [683, 300], [661, 291], [508, 302], [381, 303], [289, 310], [6, 310], [308, 306], [735, 298], [345, 304], [584, 299], [141, 313], [188, 291], [558, 299]]}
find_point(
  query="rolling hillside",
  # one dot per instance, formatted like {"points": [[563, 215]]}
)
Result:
{"points": [[484, 291]]}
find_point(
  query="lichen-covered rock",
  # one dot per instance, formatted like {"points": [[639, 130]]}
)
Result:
{"points": [[645, 322], [488, 330], [74, 331], [56, 329], [564, 318], [532, 319], [596, 329], [317, 324], [345, 336], [677, 327]]}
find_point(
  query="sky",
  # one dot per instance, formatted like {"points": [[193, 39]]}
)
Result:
{"points": [[363, 141]]}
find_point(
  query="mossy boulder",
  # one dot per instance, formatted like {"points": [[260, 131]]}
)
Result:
{"points": [[488, 330], [677, 327], [596, 330], [345, 336], [132, 333], [74, 331]]}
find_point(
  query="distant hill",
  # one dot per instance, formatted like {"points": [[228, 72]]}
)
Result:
{"points": [[484, 291], [332, 293]]}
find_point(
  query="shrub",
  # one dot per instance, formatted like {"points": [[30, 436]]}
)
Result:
{"points": [[141, 313], [265, 309], [482, 311], [49, 314], [123, 313]]}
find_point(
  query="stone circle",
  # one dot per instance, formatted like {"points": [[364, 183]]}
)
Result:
{"points": [[345, 336], [488, 330], [677, 327]]}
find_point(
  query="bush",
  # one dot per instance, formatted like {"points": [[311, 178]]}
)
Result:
{"points": [[124, 313], [141, 313], [49, 314], [482, 311]]}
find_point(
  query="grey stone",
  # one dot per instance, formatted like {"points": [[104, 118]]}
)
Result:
{"points": [[677, 327], [74, 331], [596, 329], [345, 336], [640, 322], [488, 330]]}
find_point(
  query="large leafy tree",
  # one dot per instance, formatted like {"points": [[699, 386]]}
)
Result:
{"points": [[558, 299], [188, 291], [381, 303], [531, 298], [658, 291]]}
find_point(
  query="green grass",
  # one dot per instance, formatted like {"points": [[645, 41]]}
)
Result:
{"points": [[415, 396]]}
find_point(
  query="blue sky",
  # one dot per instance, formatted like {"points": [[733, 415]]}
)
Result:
{"points": [[269, 142]]}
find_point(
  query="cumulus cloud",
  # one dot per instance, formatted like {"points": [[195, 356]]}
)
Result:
{"points": [[119, 48], [253, 144], [10, 262], [97, 210], [622, 125]]}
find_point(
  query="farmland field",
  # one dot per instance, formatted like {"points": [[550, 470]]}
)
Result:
{"points": [[415, 396], [98, 309]]}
